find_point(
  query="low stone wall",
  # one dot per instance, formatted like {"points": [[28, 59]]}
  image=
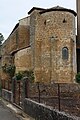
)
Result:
{"points": [[49, 94], [52, 89], [7, 95], [43, 112]]}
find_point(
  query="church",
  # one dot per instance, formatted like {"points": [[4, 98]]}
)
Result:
{"points": [[53, 44], [50, 47]]}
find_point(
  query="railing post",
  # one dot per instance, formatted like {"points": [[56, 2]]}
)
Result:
{"points": [[8, 84], [38, 90], [4, 84], [13, 89], [19, 92], [25, 87], [59, 97]]}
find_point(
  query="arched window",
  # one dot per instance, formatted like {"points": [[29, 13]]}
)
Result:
{"points": [[65, 53]]}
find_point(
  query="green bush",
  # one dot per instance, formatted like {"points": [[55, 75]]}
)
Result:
{"points": [[29, 74], [78, 77], [9, 69], [18, 76], [26, 73]]}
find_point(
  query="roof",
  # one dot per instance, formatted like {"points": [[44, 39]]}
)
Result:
{"points": [[15, 51], [35, 8], [58, 8], [15, 28]]}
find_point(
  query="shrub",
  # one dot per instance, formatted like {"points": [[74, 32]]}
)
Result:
{"points": [[29, 74], [9, 69], [26, 73], [18, 76], [78, 77]]}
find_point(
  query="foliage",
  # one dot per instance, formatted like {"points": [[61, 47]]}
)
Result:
{"points": [[29, 74], [78, 77], [10, 69], [4, 68], [18, 76], [1, 38]]}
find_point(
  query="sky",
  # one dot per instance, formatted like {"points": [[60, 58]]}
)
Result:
{"points": [[11, 11]]}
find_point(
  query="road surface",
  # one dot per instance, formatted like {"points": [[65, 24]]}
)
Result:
{"points": [[6, 114]]}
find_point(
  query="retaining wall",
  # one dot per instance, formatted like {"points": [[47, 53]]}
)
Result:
{"points": [[43, 112], [7, 95]]}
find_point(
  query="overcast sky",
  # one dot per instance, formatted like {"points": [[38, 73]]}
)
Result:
{"points": [[13, 10]]}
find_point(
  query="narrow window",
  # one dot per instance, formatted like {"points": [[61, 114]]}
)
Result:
{"points": [[65, 53], [64, 21]]}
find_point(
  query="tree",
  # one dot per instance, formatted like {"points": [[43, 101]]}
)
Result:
{"points": [[1, 38]]}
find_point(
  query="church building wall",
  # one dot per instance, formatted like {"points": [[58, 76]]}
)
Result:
{"points": [[50, 34]]}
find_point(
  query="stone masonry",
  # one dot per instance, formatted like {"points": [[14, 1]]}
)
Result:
{"points": [[39, 42], [17, 40], [22, 60], [50, 32]]}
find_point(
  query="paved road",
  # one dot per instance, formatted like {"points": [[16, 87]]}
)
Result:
{"points": [[6, 114]]}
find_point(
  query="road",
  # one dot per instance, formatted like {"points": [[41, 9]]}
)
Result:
{"points": [[6, 114]]}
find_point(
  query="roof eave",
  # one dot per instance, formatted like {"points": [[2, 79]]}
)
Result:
{"points": [[65, 10], [35, 8]]}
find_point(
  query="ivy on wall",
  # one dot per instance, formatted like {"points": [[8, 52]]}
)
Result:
{"points": [[18, 76], [78, 77], [27, 73], [9, 69]]}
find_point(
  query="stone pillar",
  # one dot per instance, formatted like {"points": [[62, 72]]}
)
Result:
{"points": [[25, 87], [13, 89]]}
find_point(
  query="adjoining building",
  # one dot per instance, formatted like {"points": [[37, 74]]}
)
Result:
{"points": [[78, 34], [17, 40]]}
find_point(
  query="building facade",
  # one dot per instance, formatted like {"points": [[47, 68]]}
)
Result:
{"points": [[49, 48], [78, 34], [53, 43], [17, 40]]}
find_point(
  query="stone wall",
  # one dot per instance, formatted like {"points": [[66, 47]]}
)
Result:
{"points": [[17, 40], [7, 95], [23, 36], [49, 90], [50, 34], [22, 60], [50, 94], [25, 21], [47, 34], [43, 112]]}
